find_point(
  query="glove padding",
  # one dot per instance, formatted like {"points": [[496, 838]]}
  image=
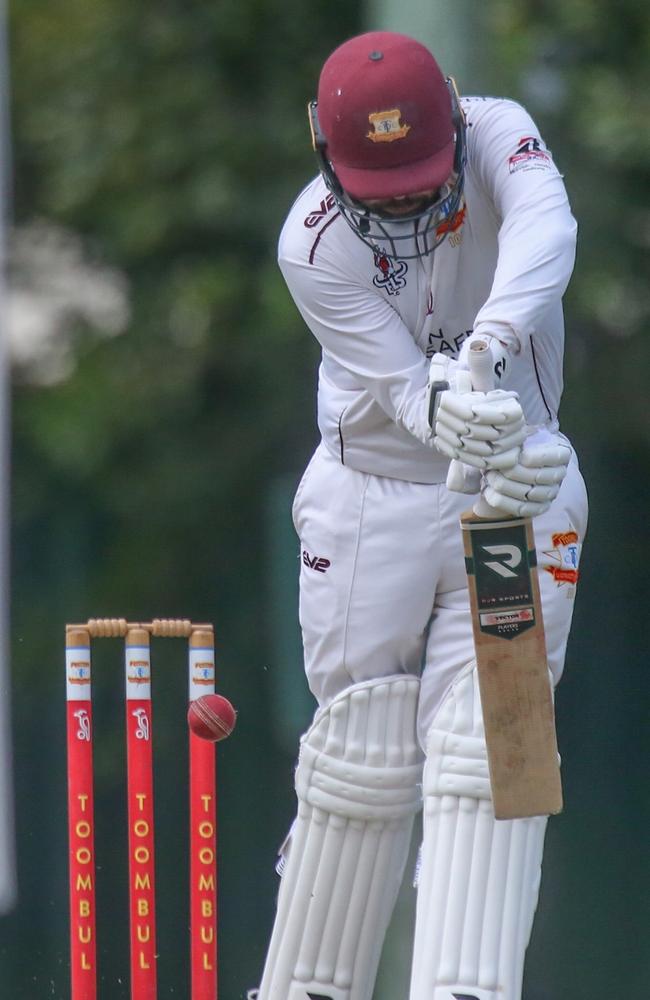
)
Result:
{"points": [[529, 487], [482, 429]]}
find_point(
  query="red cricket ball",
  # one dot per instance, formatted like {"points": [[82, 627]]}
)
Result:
{"points": [[211, 717]]}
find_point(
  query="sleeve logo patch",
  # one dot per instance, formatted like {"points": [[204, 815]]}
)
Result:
{"points": [[529, 155], [318, 215]]}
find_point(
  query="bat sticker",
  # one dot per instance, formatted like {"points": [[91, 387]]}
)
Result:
{"points": [[501, 568]]}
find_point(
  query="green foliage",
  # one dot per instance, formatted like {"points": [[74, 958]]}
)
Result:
{"points": [[582, 66], [172, 139]]}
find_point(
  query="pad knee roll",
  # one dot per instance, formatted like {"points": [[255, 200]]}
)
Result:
{"points": [[358, 787]]}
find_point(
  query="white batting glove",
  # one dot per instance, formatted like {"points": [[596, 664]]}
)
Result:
{"points": [[482, 429], [530, 487], [447, 373]]}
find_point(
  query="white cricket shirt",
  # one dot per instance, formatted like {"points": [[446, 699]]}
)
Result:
{"points": [[501, 270]]}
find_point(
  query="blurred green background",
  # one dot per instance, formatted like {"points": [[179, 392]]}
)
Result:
{"points": [[163, 410]]}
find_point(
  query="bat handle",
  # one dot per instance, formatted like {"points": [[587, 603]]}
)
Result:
{"points": [[481, 366], [462, 478], [482, 371]]}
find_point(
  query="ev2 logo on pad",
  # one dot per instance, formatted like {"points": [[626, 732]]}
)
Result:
{"points": [[508, 557]]}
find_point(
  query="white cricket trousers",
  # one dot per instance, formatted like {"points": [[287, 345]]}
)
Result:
{"points": [[383, 588]]}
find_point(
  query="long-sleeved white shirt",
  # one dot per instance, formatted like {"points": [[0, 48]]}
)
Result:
{"points": [[501, 270]]}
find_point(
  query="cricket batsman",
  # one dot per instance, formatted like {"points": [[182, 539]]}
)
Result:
{"points": [[434, 220]]}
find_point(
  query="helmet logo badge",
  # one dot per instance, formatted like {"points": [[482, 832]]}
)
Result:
{"points": [[386, 126]]}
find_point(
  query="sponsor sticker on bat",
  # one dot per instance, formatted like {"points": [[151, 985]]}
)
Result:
{"points": [[501, 564]]}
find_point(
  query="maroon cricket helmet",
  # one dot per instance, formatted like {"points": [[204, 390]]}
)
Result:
{"points": [[386, 116]]}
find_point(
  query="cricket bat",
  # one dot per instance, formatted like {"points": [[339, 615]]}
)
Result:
{"points": [[514, 682]]}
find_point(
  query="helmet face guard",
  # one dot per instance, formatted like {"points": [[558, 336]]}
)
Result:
{"points": [[403, 237]]}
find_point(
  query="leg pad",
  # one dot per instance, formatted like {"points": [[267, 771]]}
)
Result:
{"points": [[479, 877], [358, 787]]}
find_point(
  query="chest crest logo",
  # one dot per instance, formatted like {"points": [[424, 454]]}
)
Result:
{"points": [[391, 277]]}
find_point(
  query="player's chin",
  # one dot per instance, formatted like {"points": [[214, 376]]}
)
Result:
{"points": [[401, 209], [404, 209]]}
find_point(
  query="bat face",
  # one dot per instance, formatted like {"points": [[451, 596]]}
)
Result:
{"points": [[516, 695]]}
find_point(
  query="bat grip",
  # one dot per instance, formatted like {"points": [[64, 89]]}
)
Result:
{"points": [[481, 366], [482, 370], [460, 478]]}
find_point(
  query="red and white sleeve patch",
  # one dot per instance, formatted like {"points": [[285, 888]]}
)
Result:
{"points": [[531, 154]]}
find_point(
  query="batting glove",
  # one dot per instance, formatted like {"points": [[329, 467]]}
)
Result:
{"points": [[529, 487], [482, 429]]}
